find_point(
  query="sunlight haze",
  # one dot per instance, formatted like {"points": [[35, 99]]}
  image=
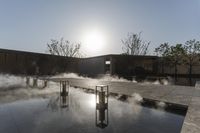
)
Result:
{"points": [[98, 25]]}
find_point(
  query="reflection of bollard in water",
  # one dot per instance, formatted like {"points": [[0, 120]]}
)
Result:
{"points": [[27, 81], [101, 106], [35, 82], [64, 92], [64, 102], [44, 83]]}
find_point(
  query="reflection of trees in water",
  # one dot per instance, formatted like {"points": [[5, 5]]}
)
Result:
{"points": [[74, 103], [53, 103], [78, 105]]}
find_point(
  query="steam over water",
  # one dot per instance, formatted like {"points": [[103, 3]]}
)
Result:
{"points": [[39, 115], [11, 85], [28, 109], [114, 78], [14, 88], [103, 78], [10, 81]]}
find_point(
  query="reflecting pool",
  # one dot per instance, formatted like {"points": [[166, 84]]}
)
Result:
{"points": [[77, 112]]}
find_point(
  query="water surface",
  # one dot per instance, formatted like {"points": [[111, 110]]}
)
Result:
{"points": [[45, 115]]}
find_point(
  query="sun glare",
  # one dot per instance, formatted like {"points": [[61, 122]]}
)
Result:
{"points": [[92, 101], [94, 41]]}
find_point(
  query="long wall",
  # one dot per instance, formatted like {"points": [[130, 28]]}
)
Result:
{"points": [[19, 62], [133, 66], [168, 69]]}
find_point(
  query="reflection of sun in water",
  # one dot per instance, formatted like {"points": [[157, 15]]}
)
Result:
{"points": [[92, 101], [94, 41]]}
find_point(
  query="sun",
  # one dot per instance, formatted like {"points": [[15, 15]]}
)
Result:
{"points": [[94, 41]]}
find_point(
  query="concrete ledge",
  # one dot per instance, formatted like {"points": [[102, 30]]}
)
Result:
{"points": [[192, 120]]}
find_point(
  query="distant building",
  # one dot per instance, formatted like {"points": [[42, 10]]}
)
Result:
{"points": [[121, 65], [127, 66]]}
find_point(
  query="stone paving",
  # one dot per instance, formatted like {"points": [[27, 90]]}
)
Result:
{"points": [[192, 120], [180, 95]]}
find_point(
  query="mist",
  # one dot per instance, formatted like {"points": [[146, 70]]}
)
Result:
{"points": [[115, 78], [14, 87]]}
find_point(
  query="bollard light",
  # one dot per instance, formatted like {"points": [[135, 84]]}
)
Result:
{"points": [[101, 92]]}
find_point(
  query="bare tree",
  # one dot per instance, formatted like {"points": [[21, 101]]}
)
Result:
{"points": [[64, 48], [134, 45], [163, 50]]}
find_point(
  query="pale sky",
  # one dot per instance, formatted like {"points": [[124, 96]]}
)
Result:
{"points": [[29, 24]]}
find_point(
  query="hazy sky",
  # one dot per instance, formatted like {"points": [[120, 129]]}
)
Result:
{"points": [[29, 24]]}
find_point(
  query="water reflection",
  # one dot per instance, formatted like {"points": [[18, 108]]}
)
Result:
{"points": [[64, 94], [101, 113], [46, 115], [34, 82]]}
